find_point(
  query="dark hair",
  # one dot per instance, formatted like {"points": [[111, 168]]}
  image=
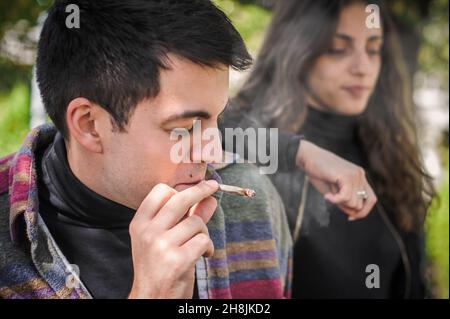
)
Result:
{"points": [[276, 92], [114, 58]]}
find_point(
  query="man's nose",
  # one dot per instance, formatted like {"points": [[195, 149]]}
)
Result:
{"points": [[210, 148]]}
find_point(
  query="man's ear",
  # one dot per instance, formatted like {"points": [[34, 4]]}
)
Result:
{"points": [[82, 120]]}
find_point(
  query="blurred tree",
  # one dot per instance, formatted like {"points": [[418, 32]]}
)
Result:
{"points": [[13, 11], [250, 20], [434, 52], [17, 18]]}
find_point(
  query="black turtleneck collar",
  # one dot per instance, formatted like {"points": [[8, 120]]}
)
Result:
{"points": [[335, 132], [331, 125], [73, 199], [91, 230]]}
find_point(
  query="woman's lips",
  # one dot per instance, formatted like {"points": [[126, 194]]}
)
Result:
{"points": [[356, 91]]}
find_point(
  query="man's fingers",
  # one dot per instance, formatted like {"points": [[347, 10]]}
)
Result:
{"points": [[205, 209], [186, 230], [178, 205], [199, 245], [155, 200]]}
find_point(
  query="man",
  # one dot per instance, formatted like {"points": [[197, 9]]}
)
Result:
{"points": [[95, 207]]}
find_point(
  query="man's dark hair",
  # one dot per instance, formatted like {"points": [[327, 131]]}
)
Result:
{"points": [[115, 57]]}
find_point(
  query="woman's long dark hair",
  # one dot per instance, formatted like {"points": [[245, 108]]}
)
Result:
{"points": [[276, 93]]}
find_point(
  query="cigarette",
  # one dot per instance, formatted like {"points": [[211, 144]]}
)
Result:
{"points": [[239, 191]]}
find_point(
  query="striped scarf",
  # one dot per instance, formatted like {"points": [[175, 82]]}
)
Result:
{"points": [[253, 248]]}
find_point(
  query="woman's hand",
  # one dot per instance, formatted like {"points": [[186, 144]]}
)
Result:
{"points": [[342, 182]]}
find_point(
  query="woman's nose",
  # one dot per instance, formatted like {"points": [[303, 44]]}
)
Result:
{"points": [[360, 64]]}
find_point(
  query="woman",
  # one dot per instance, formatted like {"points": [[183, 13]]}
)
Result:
{"points": [[324, 74]]}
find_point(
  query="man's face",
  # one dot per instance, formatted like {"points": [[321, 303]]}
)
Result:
{"points": [[135, 161]]}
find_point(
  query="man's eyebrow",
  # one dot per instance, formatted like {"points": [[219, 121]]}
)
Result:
{"points": [[187, 115], [193, 114]]}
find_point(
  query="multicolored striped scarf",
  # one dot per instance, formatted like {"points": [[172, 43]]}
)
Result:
{"points": [[253, 248]]}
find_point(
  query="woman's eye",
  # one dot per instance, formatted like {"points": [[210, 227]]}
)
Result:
{"points": [[375, 49], [374, 52], [337, 51]]}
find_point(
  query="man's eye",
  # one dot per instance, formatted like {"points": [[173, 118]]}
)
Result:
{"points": [[181, 130], [178, 131]]}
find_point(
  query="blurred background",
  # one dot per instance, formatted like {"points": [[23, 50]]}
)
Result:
{"points": [[424, 30]]}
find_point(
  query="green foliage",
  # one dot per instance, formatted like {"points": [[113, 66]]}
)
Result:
{"points": [[12, 74], [14, 119], [433, 55], [13, 11], [437, 240], [250, 20], [20, 15]]}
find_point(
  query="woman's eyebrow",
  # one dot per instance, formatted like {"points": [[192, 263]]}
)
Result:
{"points": [[375, 38], [348, 38], [344, 37]]}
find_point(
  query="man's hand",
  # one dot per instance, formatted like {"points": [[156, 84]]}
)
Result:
{"points": [[168, 235], [338, 179]]}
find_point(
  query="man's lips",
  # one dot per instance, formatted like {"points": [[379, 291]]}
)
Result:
{"points": [[182, 186]]}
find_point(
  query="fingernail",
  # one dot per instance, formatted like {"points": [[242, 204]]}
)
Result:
{"points": [[351, 219], [212, 183]]}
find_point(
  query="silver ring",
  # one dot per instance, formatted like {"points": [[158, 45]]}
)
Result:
{"points": [[362, 194]]}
